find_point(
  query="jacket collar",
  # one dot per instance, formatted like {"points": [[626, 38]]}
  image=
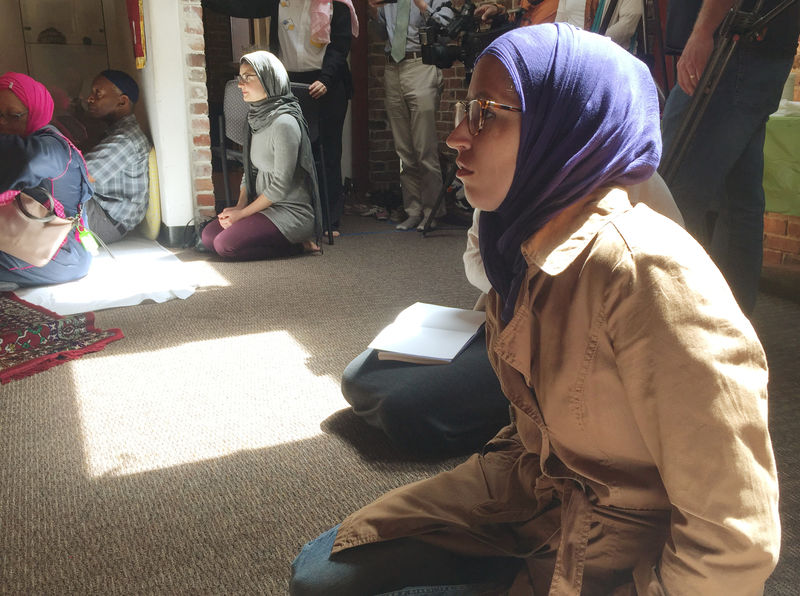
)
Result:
{"points": [[556, 245]]}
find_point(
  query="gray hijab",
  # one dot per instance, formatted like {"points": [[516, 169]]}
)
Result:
{"points": [[280, 100]]}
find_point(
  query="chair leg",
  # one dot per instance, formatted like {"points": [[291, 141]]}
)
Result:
{"points": [[224, 159], [323, 187], [225, 180], [449, 176]]}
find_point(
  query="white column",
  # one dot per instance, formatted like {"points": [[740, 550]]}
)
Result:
{"points": [[165, 91]]}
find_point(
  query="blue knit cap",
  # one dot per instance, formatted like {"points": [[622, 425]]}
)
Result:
{"points": [[124, 82]]}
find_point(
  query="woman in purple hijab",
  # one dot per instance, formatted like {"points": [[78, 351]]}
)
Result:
{"points": [[638, 459]]}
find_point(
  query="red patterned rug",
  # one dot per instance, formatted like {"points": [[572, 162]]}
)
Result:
{"points": [[33, 339]]}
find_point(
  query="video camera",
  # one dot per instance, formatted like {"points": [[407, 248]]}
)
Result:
{"points": [[445, 39]]}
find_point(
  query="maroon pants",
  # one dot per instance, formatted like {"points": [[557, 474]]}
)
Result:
{"points": [[254, 237]]}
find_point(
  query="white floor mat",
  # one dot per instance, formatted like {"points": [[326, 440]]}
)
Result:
{"points": [[139, 270]]}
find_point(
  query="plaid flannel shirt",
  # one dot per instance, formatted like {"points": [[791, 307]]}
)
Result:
{"points": [[118, 164]]}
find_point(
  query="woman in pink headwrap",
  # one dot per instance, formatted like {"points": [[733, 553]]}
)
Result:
{"points": [[35, 157]]}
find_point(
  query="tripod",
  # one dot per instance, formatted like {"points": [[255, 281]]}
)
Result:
{"points": [[738, 26], [449, 175], [652, 40]]}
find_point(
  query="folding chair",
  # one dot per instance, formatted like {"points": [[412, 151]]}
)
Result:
{"points": [[232, 126]]}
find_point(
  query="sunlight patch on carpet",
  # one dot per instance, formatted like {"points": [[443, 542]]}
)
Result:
{"points": [[139, 270], [144, 411]]}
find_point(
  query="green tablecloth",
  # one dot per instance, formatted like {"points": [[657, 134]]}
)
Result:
{"points": [[782, 165]]}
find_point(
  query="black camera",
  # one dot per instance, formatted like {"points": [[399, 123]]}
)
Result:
{"points": [[445, 39]]}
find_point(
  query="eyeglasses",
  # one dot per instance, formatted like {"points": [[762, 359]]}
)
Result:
{"points": [[475, 113], [13, 118], [245, 79]]}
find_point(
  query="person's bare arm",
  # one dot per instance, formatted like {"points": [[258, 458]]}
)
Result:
{"points": [[698, 48], [242, 202]]}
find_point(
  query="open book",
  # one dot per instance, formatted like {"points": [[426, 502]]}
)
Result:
{"points": [[428, 334]]}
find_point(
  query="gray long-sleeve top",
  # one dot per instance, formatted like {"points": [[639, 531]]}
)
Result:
{"points": [[274, 152]]}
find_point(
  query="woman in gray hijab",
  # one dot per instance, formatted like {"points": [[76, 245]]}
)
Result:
{"points": [[278, 212]]}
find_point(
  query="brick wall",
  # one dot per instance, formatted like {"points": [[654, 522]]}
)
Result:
{"points": [[781, 239], [782, 232], [384, 167], [194, 46]]}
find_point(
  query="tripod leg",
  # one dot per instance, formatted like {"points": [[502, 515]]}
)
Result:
{"points": [[705, 89], [654, 40], [448, 180]]}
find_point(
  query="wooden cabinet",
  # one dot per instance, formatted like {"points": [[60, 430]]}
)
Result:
{"points": [[65, 43], [70, 22]]}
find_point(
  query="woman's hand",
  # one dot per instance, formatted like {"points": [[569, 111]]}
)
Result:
{"points": [[317, 89], [229, 216]]}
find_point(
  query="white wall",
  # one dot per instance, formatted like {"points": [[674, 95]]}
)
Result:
{"points": [[164, 90]]}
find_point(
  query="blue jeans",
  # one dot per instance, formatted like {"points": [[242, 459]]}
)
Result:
{"points": [[396, 568], [71, 262], [722, 169]]}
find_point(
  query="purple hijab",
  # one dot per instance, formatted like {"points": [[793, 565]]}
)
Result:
{"points": [[590, 119]]}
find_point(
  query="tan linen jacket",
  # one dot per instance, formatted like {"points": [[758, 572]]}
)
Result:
{"points": [[639, 452]]}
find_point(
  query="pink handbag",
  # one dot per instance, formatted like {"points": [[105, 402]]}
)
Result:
{"points": [[32, 232]]}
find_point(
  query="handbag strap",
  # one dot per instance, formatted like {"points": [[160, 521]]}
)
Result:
{"points": [[73, 150], [50, 206]]}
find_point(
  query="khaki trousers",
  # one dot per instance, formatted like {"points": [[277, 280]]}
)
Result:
{"points": [[413, 90]]}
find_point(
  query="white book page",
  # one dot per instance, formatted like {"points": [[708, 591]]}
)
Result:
{"points": [[430, 331], [421, 314]]}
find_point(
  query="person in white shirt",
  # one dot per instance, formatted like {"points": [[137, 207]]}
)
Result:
{"points": [[621, 26], [314, 38]]}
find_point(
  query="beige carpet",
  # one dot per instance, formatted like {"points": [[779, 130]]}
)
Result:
{"points": [[198, 454]]}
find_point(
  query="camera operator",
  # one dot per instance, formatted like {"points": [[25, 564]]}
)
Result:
{"points": [[533, 11], [723, 166], [623, 21], [412, 90]]}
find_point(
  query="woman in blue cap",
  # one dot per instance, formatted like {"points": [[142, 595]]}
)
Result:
{"points": [[638, 459]]}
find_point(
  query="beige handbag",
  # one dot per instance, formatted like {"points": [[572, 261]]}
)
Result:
{"points": [[32, 232]]}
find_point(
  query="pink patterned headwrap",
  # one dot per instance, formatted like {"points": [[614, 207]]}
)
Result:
{"points": [[34, 95], [321, 12]]}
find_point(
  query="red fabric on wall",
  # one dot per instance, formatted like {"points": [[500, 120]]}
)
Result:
{"points": [[136, 23]]}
